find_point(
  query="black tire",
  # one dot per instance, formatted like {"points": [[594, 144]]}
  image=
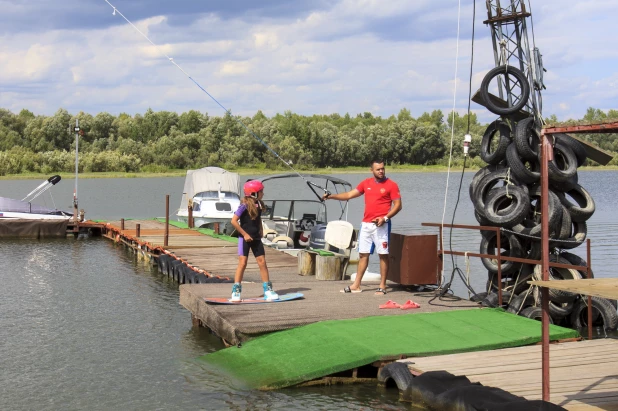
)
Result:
{"points": [[482, 220], [504, 139], [479, 175], [478, 297], [521, 301], [562, 186], [566, 224], [504, 211], [510, 243], [489, 182], [564, 164], [534, 313], [531, 226], [559, 311], [558, 296], [584, 206], [492, 299], [607, 313], [577, 260], [526, 171], [578, 236], [395, 374], [513, 74], [578, 148], [527, 139]]}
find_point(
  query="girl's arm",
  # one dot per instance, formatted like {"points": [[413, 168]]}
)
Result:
{"points": [[238, 228]]}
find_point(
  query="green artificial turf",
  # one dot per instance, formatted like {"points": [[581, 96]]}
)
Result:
{"points": [[205, 231], [301, 354]]}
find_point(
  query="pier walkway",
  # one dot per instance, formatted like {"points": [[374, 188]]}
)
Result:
{"points": [[583, 374]]}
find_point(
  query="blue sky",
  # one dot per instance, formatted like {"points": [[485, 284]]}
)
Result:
{"points": [[310, 56]]}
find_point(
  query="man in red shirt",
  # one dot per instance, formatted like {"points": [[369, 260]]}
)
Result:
{"points": [[382, 202]]}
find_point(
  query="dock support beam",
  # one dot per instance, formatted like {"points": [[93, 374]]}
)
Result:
{"points": [[137, 230], [167, 220], [122, 224]]}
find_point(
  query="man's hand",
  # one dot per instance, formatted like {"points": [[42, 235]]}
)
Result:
{"points": [[378, 221], [247, 238], [325, 196]]}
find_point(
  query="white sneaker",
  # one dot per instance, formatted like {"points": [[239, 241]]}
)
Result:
{"points": [[270, 295], [236, 289]]}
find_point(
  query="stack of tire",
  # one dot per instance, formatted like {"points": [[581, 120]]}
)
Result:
{"points": [[507, 193]]}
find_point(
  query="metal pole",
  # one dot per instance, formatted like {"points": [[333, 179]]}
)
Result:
{"points": [[498, 249], [546, 156], [75, 206], [589, 265], [167, 220]]}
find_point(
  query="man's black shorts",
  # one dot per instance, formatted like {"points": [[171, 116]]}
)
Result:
{"points": [[255, 246]]}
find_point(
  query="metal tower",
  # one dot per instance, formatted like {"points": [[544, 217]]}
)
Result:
{"points": [[507, 22]]}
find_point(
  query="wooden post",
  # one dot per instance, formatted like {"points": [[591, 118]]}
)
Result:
{"points": [[137, 230], [327, 268], [122, 223], [546, 157], [167, 220], [306, 263], [190, 218], [216, 228]]}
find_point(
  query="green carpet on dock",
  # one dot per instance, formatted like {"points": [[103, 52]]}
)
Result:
{"points": [[316, 350], [206, 231]]}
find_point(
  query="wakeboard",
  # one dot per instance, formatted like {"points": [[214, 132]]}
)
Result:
{"points": [[257, 300]]}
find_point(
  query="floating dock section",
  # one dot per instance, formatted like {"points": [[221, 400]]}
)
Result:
{"points": [[305, 353]]}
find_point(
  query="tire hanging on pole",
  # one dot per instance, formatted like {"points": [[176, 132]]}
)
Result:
{"points": [[513, 74]]}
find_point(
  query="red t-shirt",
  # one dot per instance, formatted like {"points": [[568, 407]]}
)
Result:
{"points": [[378, 197]]}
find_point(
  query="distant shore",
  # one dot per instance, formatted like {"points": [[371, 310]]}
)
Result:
{"points": [[263, 171]]}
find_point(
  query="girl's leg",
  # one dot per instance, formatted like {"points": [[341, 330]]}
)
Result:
{"points": [[240, 270], [269, 293], [261, 260]]}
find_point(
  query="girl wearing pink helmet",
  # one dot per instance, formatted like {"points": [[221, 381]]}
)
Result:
{"points": [[247, 221]]}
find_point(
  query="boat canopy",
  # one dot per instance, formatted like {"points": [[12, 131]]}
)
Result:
{"points": [[17, 206], [331, 183], [208, 179]]}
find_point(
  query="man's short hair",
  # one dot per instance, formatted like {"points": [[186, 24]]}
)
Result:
{"points": [[376, 160]]}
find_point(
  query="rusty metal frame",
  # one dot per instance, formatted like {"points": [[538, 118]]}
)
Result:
{"points": [[498, 256]]}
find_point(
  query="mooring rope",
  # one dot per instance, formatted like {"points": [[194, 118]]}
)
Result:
{"points": [[450, 158]]}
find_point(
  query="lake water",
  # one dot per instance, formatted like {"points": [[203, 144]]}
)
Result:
{"points": [[83, 325]]}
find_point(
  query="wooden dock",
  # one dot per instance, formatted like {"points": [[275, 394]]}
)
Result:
{"points": [[323, 301], [583, 374], [216, 257]]}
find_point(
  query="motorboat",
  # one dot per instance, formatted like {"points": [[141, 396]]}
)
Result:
{"points": [[293, 223], [214, 194], [25, 209]]}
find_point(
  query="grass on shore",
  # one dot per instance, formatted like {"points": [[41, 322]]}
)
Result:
{"points": [[260, 171]]}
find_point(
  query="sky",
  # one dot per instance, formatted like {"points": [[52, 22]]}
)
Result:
{"points": [[309, 57]]}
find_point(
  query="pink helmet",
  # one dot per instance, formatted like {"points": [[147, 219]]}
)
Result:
{"points": [[253, 186]]}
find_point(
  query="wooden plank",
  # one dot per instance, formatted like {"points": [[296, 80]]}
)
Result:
{"points": [[517, 116], [596, 287], [583, 374]]}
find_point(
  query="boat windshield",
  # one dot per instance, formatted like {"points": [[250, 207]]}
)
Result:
{"points": [[215, 195]]}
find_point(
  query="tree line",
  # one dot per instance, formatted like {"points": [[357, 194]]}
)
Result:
{"points": [[164, 140]]}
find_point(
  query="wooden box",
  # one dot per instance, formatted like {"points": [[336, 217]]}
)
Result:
{"points": [[413, 259]]}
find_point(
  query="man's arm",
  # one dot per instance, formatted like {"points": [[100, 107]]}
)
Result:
{"points": [[397, 206], [342, 196]]}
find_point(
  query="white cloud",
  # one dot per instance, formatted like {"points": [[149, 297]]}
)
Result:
{"points": [[329, 60]]}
